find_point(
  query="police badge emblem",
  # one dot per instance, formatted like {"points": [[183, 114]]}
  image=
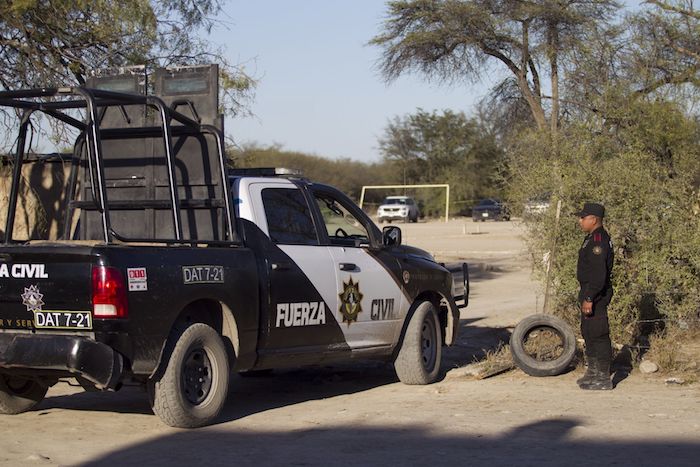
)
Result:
{"points": [[32, 298], [597, 250], [350, 301]]}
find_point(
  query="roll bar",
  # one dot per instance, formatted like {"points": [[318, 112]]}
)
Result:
{"points": [[55, 101]]}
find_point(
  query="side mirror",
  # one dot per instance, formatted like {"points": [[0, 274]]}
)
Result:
{"points": [[391, 236]]}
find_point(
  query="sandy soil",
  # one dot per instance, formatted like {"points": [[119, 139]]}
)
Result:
{"points": [[361, 415]]}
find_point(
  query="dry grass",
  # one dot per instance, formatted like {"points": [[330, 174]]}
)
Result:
{"points": [[676, 351], [496, 361], [544, 344]]}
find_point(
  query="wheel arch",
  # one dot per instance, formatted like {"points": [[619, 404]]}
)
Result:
{"points": [[214, 313], [447, 311], [427, 295]]}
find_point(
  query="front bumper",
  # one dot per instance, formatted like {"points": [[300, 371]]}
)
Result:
{"points": [[392, 215], [80, 356]]}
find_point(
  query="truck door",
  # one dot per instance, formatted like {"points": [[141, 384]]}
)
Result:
{"points": [[299, 324], [371, 305]]}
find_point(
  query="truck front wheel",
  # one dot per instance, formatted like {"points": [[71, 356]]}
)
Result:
{"points": [[194, 386], [18, 394], [418, 360]]}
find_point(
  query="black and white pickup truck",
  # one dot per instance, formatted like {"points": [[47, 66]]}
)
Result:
{"points": [[254, 269]]}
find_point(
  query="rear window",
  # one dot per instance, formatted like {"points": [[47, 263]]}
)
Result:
{"points": [[487, 202]]}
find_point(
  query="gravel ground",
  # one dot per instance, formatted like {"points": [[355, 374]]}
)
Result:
{"points": [[361, 415]]}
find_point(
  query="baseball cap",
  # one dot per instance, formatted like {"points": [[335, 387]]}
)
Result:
{"points": [[594, 209]]}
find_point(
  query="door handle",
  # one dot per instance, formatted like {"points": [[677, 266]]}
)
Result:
{"points": [[348, 266], [280, 266]]}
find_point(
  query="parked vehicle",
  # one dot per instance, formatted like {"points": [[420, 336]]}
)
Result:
{"points": [[161, 267], [398, 208], [490, 209], [537, 206]]}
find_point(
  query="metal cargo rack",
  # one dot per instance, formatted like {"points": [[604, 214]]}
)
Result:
{"points": [[173, 129]]}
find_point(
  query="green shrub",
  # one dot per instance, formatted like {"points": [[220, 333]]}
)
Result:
{"points": [[645, 171]]}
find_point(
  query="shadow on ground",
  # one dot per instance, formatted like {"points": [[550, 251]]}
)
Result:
{"points": [[260, 393], [287, 387], [542, 443]]}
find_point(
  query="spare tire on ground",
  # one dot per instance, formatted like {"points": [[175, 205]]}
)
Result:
{"points": [[543, 345]]}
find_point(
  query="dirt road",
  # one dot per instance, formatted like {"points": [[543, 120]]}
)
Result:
{"points": [[361, 415]]}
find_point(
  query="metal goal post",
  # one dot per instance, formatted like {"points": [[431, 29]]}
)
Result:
{"points": [[391, 187]]}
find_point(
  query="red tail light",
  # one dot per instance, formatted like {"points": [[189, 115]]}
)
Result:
{"points": [[108, 293]]}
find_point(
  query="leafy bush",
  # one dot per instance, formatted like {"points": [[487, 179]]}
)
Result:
{"points": [[645, 169]]}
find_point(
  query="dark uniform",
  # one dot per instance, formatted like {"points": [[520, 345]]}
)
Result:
{"points": [[594, 269]]}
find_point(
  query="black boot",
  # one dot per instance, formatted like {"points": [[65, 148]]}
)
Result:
{"points": [[601, 380], [590, 372]]}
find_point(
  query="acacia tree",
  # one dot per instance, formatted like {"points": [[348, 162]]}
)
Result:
{"points": [[652, 52], [666, 45], [59, 42], [452, 40]]}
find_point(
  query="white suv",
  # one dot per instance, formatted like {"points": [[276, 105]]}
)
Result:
{"points": [[398, 207]]}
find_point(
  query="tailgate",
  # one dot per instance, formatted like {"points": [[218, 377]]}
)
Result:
{"points": [[46, 288]]}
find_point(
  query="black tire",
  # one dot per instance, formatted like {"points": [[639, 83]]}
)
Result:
{"points": [[193, 387], [18, 394], [420, 355], [551, 349]]}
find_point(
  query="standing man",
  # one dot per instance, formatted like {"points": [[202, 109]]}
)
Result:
{"points": [[595, 261]]}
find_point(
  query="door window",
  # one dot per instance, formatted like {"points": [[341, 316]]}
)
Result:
{"points": [[343, 227], [288, 217]]}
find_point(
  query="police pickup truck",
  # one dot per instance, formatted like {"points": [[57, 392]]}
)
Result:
{"points": [[141, 258]]}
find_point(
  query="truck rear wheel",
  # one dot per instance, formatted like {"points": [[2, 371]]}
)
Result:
{"points": [[194, 386], [18, 394], [418, 360]]}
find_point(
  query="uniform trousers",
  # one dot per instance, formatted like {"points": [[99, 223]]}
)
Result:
{"points": [[595, 330]]}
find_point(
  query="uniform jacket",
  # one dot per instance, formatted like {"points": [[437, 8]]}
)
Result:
{"points": [[594, 268]]}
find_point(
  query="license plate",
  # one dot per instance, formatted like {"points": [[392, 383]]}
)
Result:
{"points": [[485, 214], [62, 319]]}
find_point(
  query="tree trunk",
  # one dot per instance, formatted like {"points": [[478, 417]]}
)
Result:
{"points": [[553, 62], [534, 102]]}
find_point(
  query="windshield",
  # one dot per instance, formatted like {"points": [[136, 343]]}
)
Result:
{"points": [[396, 201]]}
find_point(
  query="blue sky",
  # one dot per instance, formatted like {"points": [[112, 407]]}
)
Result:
{"points": [[319, 90]]}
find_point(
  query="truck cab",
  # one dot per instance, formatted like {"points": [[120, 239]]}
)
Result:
{"points": [[322, 249]]}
